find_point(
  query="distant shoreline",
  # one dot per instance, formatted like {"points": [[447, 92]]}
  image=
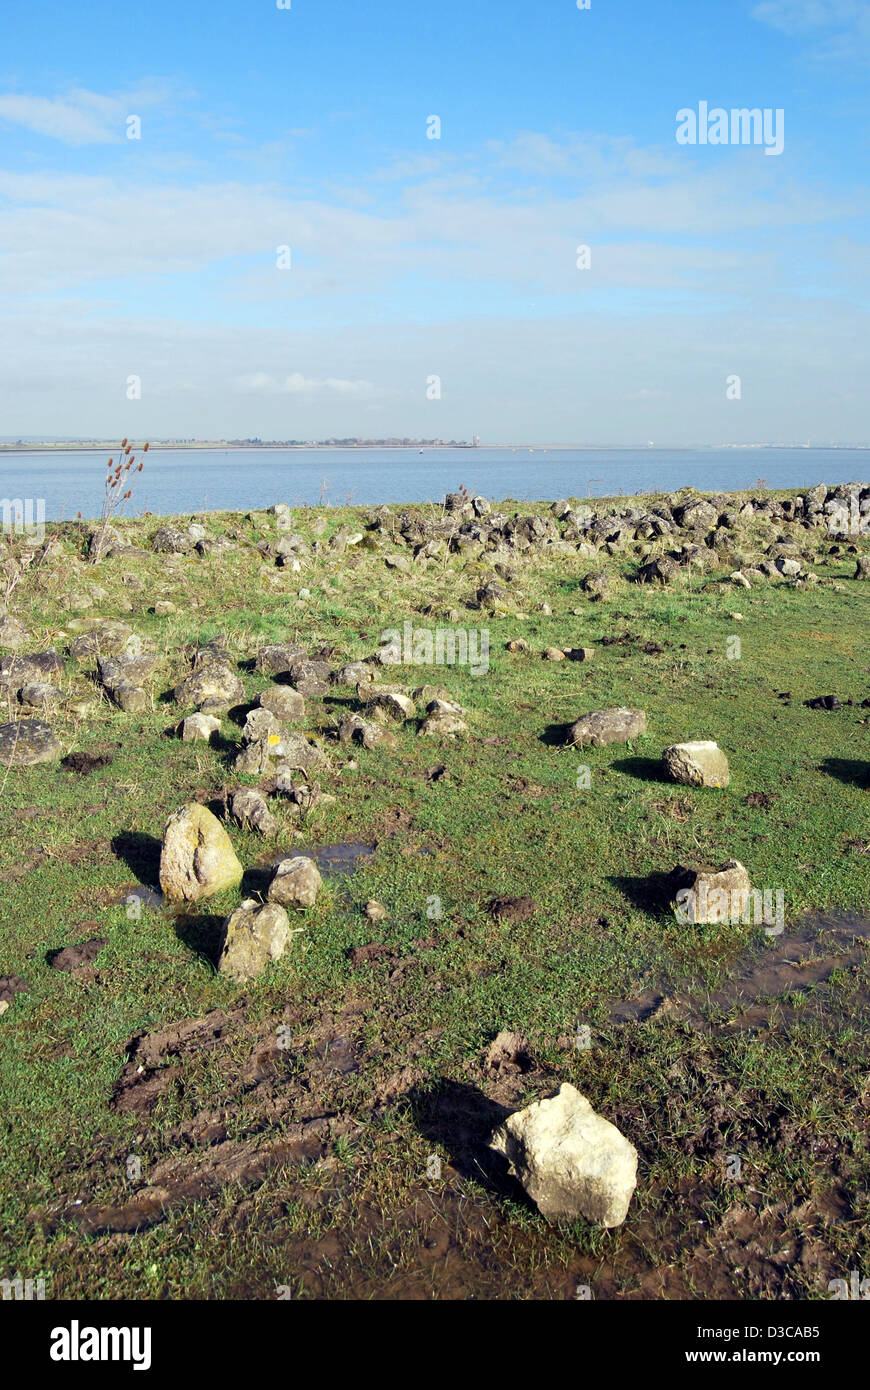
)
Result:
{"points": [[110, 446]]}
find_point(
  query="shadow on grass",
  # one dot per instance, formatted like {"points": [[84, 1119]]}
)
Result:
{"points": [[651, 893], [853, 772], [141, 854], [645, 769], [203, 934], [461, 1118], [557, 735]]}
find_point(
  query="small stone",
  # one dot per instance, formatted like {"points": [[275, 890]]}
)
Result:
{"points": [[375, 911], [554, 654], [698, 764], [296, 882], [197, 858], [254, 935], [711, 895], [518, 644], [163, 608], [571, 1161], [250, 810], [199, 728], [580, 653], [132, 699], [601, 727], [283, 702], [28, 742], [38, 695]]}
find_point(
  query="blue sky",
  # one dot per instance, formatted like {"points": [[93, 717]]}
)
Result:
{"points": [[414, 258]]}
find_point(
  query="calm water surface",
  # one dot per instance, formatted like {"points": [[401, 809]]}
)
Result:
{"points": [[178, 481]]}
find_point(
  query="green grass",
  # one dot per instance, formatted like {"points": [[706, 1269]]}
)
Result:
{"points": [[510, 820]]}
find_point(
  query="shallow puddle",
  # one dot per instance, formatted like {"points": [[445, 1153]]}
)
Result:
{"points": [[805, 955]]}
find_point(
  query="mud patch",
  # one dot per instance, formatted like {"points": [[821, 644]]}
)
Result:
{"points": [[73, 958], [85, 763]]}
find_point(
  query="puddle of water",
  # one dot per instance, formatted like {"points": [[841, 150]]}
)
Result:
{"points": [[331, 860], [806, 954], [148, 897]]}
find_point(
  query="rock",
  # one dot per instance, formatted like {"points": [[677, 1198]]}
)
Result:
{"points": [[18, 671], [862, 568], [789, 568], [598, 585], [518, 644], [355, 673], [296, 882], [262, 726], [554, 654], [698, 764], [442, 723], [163, 608], [697, 515], [277, 658], [27, 742], [571, 1161], [283, 702], [197, 859], [375, 911], [294, 750], [663, 570], [214, 685], [38, 695], [829, 702], [311, 678], [103, 637], [132, 699], [135, 669], [580, 653], [711, 895], [13, 634], [394, 706], [169, 538], [738, 577], [354, 729], [199, 728], [250, 810], [254, 935], [604, 726]]}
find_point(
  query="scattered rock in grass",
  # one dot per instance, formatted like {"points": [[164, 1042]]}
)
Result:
{"points": [[354, 729], [554, 654], [708, 895], [393, 706], [823, 702], [862, 569], [276, 658], [738, 577], [571, 1161], [518, 644], [254, 935], [697, 764], [18, 671], [261, 725], [38, 695], [28, 742], [355, 673], [130, 698], [283, 702], [296, 882], [663, 570], [598, 585], [168, 539], [311, 678], [508, 1053], [250, 810], [199, 728], [213, 687], [163, 608], [103, 637], [580, 653], [604, 726], [443, 720], [375, 911], [197, 858], [13, 634]]}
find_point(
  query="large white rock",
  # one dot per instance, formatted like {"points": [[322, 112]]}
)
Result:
{"points": [[570, 1161], [698, 764]]}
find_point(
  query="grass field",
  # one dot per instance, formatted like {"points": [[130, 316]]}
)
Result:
{"points": [[324, 1134]]}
